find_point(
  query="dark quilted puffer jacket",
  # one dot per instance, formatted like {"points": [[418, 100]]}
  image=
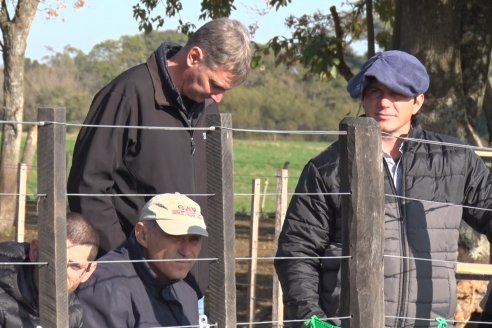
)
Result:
{"points": [[18, 295], [424, 225]]}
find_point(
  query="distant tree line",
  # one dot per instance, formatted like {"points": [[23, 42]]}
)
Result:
{"points": [[275, 97]]}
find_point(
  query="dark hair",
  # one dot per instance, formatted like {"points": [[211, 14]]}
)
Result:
{"points": [[81, 232]]}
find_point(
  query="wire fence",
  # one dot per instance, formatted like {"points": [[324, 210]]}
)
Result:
{"points": [[264, 194]]}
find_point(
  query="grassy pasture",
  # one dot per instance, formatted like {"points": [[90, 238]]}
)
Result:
{"points": [[262, 159], [252, 159]]}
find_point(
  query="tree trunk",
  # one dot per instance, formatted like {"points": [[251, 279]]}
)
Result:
{"points": [[30, 149], [370, 30], [431, 30], [476, 46], [453, 39], [15, 31], [487, 108]]}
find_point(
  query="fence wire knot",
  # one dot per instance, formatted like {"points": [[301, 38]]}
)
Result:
{"points": [[442, 323]]}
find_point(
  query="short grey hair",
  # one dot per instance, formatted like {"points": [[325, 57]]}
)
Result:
{"points": [[151, 225], [227, 45]]}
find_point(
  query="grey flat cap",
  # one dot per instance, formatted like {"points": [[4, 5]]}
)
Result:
{"points": [[395, 69]]}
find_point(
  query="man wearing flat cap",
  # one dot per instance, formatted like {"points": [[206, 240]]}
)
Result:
{"points": [[141, 284], [425, 177]]}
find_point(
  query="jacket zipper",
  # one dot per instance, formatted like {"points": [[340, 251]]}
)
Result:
{"points": [[192, 154], [401, 310], [189, 120]]}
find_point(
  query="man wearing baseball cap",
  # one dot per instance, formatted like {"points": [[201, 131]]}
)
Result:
{"points": [[141, 284], [425, 176]]}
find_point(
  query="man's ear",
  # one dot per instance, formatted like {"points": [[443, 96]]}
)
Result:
{"points": [[195, 56], [141, 234], [89, 272], [33, 251], [417, 103]]}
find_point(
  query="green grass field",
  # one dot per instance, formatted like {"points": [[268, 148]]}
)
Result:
{"points": [[253, 159], [261, 160]]}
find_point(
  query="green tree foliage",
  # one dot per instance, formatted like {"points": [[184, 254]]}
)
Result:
{"points": [[109, 58]]}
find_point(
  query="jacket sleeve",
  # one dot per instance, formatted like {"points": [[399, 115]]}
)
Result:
{"points": [[97, 154], [478, 196], [2, 311], [305, 233]]}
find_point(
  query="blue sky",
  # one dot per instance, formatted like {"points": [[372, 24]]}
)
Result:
{"points": [[101, 20]]}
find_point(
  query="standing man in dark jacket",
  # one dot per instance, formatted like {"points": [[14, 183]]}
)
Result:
{"points": [[175, 88], [426, 176], [19, 305], [149, 292]]}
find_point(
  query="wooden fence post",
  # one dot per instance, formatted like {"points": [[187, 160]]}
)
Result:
{"points": [[361, 173], [253, 253], [263, 199], [220, 301], [21, 202], [277, 303], [52, 232]]}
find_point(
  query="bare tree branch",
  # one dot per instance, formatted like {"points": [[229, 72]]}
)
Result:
{"points": [[343, 68]]}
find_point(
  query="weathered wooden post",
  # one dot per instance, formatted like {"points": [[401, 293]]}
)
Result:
{"points": [[52, 231], [253, 253], [220, 301], [277, 303], [361, 173], [263, 199]]}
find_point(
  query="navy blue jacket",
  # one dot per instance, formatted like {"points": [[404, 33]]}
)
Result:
{"points": [[130, 295]]}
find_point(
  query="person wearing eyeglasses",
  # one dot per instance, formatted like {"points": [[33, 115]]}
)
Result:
{"points": [[141, 284], [19, 302]]}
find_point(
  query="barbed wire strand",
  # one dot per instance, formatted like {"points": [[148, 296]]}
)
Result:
{"points": [[24, 263], [269, 258], [132, 195], [438, 143], [211, 128], [209, 259], [306, 132], [298, 194], [20, 194], [189, 326], [289, 321], [428, 319], [38, 123], [439, 203]]}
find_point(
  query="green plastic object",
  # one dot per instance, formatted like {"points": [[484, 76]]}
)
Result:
{"points": [[315, 322]]}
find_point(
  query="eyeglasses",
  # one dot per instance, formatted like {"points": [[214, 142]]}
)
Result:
{"points": [[78, 268]]}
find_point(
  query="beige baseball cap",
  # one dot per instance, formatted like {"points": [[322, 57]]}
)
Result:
{"points": [[176, 214]]}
